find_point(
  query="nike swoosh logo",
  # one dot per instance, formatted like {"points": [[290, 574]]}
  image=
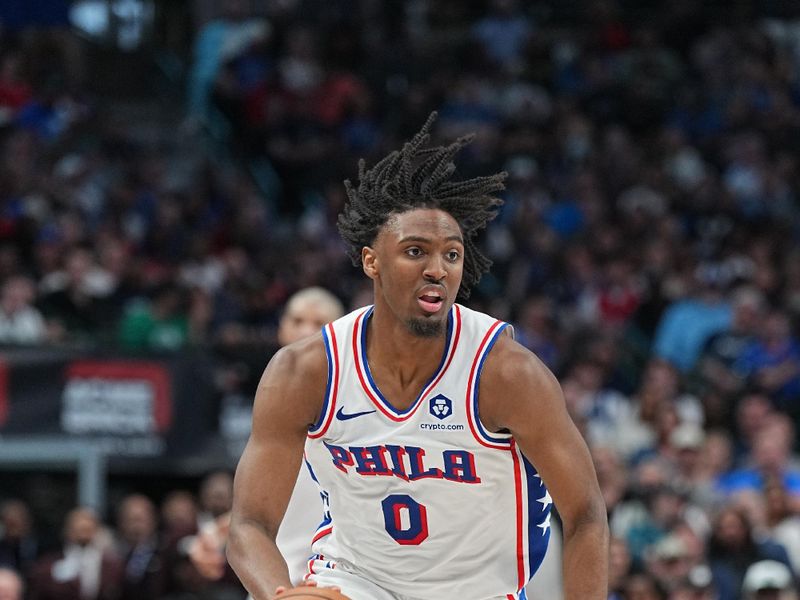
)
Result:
{"points": [[340, 414]]}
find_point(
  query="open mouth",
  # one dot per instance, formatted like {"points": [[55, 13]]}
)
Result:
{"points": [[430, 302]]}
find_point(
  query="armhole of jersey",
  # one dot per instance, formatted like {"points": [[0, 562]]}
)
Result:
{"points": [[498, 441], [331, 387]]}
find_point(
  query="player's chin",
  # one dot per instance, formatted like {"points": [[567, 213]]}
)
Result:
{"points": [[427, 326]]}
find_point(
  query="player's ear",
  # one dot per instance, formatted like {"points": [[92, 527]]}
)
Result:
{"points": [[369, 262]]}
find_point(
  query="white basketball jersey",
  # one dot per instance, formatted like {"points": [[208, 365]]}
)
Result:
{"points": [[299, 525], [424, 502]]}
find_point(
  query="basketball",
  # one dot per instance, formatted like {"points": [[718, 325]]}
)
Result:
{"points": [[313, 593]]}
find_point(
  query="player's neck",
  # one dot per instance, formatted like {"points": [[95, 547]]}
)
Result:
{"points": [[390, 343]]}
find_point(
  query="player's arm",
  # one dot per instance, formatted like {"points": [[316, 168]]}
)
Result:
{"points": [[518, 393], [287, 402]]}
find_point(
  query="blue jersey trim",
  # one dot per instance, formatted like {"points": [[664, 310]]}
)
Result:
{"points": [[326, 520], [310, 470], [368, 373], [476, 385], [537, 514], [321, 419]]}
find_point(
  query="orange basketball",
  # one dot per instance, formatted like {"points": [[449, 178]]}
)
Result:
{"points": [[313, 593]]}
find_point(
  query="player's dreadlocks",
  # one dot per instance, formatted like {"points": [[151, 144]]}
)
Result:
{"points": [[419, 177]]}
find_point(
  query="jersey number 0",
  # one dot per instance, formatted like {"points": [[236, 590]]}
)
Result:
{"points": [[414, 531]]}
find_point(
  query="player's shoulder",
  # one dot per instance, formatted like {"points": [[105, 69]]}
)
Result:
{"points": [[510, 365], [514, 385]]}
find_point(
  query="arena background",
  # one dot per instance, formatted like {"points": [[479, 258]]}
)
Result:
{"points": [[171, 171]]}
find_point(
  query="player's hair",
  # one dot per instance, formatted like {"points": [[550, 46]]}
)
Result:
{"points": [[420, 177]]}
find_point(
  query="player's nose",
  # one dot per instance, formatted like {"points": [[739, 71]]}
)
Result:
{"points": [[435, 268]]}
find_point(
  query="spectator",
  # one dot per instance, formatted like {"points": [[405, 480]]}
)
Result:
{"points": [[218, 40], [686, 444], [20, 321], [698, 585], [650, 510], [643, 586], [535, 330], [619, 294], [82, 568], [782, 523], [687, 324], [612, 476], [769, 579], [716, 459], [753, 412], [306, 313], [773, 361], [619, 567], [15, 92], [216, 496], [771, 457], [73, 299], [657, 406], [182, 522], [19, 545], [161, 324], [669, 562], [504, 34], [719, 364], [138, 547], [11, 585], [605, 417], [178, 515], [733, 548]]}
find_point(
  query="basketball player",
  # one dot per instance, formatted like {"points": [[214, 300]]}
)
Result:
{"points": [[439, 443], [306, 312]]}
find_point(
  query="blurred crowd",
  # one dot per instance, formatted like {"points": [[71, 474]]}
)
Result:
{"points": [[142, 554], [647, 250]]}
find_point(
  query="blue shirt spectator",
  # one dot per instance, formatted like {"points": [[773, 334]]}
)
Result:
{"points": [[773, 360], [686, 326], [770, 459], [504, 33]]}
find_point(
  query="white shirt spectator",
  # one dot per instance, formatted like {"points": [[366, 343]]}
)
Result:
{"points": [[20, 321]]}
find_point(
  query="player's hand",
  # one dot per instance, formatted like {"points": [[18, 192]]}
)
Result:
{"points": [[280, 589]]}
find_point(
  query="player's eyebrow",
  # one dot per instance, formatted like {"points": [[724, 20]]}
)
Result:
{"points": [[423, 239]]}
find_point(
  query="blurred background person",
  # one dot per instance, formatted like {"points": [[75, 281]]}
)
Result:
{"points": [[782, 521], [769, 580], [19, 544], [733, 547], [20, 320], [139, 548], [84, 568], [772, 361], [12, 587], [306, 312], [719, 364]]}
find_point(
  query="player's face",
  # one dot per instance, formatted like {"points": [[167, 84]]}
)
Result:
{"points": [[417, 264]]}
